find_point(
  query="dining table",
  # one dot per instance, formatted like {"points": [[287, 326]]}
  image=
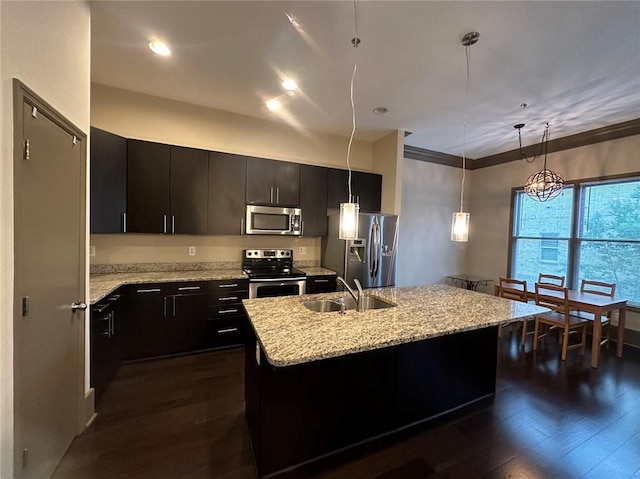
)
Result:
{"points": [[599, 306]]}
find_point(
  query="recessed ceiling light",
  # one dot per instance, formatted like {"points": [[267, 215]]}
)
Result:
{"points": [[380, 110], [274, 104], [160, 48], [289, 84]]}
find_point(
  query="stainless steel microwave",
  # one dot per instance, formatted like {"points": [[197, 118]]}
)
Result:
{"points": [[273, 220]]}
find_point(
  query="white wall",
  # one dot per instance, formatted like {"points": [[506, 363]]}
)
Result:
{"points": [[430, 195], [47, 46], [490, 197]]}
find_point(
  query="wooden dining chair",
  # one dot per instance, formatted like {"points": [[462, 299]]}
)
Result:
{"points": [[556, 299], [603, 289], [551, 279], [516, 290]]}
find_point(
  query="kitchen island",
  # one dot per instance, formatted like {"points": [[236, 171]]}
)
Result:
{"points": [[316, 383]]}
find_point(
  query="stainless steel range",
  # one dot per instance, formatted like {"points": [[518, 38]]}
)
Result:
{"points": [[271, 273]]}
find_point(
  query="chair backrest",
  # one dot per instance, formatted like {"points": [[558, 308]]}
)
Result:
{"points": [[551, 279], [598, 287], [515, 289], [553, 297]]}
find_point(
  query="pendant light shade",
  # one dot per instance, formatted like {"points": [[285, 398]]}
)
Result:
{"points": [[460, 226], [349, 221]]}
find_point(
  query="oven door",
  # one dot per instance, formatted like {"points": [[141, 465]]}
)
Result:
{"points": [[267, 288]]}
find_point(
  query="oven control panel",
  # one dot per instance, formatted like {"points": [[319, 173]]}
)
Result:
{"points": [[268, 253]]}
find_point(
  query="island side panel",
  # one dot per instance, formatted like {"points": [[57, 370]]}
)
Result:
{"points": [[441, 374], [298, 413]]}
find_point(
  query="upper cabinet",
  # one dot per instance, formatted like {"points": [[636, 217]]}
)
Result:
{"points": [[167, 189], [313, 200], [366, 189], [227, 176], [108, 203], [271, 182]]}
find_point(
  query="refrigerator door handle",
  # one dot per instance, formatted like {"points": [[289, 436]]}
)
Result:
{"points": [[378, 249], [372, 257]]}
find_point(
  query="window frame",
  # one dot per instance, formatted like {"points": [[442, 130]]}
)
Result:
{"points": [[574, 240]]}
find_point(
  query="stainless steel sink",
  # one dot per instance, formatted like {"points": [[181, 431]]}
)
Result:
{"points": [[332, 305]]}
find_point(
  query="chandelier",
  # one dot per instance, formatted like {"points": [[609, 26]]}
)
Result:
{"points": [[544, 184]]}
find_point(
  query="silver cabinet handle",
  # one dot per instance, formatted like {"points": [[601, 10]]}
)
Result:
{"points": [[241, 226], [164, 223], [278, 195], [227, 330], [320, 280], [153, 290], [174, 306], [228, 298], [164, 307], [228, 311], [75, 306], [124, 222], [232, 285], [189, 288], [271, 195], [113, 323], [173, 224]]}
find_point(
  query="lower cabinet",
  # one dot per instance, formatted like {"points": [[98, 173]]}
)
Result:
{"points": [[321, 284], [104, 353], [171, 318]]}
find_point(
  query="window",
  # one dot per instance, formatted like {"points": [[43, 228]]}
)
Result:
{"points": [[591, 231]]}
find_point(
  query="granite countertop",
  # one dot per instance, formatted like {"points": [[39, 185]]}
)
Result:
{"points": [[315, 270], [291, 334], [103, 284]]}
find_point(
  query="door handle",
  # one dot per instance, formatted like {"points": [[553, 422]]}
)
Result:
{"points": [[164, 223], [278, 195], [173, 224], [75, 306]]}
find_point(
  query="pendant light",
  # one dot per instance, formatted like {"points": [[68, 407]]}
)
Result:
{"points": [[545, 184], [349, 211], [460, 220]]}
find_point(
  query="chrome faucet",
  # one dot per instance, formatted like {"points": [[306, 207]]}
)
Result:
{"points": [[358, 298]]}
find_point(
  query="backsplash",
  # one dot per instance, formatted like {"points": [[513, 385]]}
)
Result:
{"points": [[165, 267], [171, 252]]}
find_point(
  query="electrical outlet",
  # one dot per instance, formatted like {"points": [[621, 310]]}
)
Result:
{"points": [[302, 250], [92, 250], [192, 250]]}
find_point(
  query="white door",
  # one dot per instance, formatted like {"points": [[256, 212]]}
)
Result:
{"points": [[49, 276]]}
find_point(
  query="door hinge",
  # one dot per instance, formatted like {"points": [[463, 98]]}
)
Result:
{"points": [[25, 306], [25, 457], [25, 156], [34, 112], [75, 140]]}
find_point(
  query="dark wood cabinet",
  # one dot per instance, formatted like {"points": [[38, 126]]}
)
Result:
{"points": [[167, 188], [366, 189], [142, 326], [226, 320], [104, 352], [108, 203], [272, 182], [148, 187], [186, 317], [321, 284], [313, 200], [226, 199], [189, 190]]}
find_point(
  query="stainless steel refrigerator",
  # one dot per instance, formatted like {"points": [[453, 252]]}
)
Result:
{"points": [[371, 257]]}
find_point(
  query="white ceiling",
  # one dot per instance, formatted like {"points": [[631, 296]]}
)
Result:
{"points": [[577, 64]]}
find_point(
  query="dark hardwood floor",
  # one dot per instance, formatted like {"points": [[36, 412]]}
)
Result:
{"points": [[182, 418]]}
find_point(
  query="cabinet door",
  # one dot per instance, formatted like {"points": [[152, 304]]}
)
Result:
{"points": [[189, 188], [142, 332], [368, 189], [108, 182], [260, 189], [148, 193], [286, 181], [338, 189], [313, 200], [187, 323], [227, 181]]}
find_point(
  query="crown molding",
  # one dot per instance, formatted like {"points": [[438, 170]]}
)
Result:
{"points": [[611, 132]]}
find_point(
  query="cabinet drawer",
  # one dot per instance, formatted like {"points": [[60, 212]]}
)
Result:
{"points": [[225, 311], [227, 287], [187, 287], [225, 332], [321, 284]]}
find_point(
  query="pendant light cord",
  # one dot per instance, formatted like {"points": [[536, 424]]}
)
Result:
{"points": [[355, 41], [464, 133]]}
